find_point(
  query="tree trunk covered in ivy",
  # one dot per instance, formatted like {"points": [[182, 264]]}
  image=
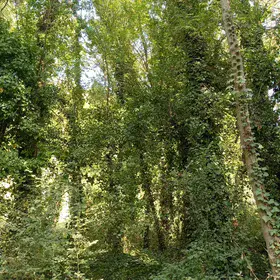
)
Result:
{"points": [[261, 74], [76, 187], [249, 146], [114, 232], [150, 206], [116, 120]]}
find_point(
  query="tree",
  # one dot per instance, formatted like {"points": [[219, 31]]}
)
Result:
{"points": [[119, 153], [248, 144]]}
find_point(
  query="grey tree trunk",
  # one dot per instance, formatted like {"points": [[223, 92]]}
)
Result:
{"points": [[255, 173]]}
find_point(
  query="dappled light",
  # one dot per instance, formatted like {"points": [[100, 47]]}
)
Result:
{"points": [[139, 140]]}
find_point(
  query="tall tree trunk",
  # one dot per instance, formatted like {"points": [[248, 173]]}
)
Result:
{"points": [[151, 203], [76, 189], [166, 202], [114, 233], [3, 128], [255, 173], [261, 75], [184, 235], [146, 236]]}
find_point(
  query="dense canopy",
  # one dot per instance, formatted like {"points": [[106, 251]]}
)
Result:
{"points": [[139, 139]]}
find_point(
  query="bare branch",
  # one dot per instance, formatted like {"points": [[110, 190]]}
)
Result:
{"points": [[5, 5]]}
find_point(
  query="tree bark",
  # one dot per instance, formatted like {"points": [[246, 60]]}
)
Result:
{"points": [[255, 174], [151, 203], [114, 234], [76, 189]]}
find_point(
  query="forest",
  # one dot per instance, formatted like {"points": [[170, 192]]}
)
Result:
{"points": [[140, 139]]}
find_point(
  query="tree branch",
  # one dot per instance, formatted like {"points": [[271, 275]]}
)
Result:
{"points": [[5, 5]]}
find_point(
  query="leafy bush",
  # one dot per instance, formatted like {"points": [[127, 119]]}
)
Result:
{"points": [[207, 261]]}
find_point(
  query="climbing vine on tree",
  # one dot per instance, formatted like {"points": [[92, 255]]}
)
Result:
{"points": [[139, 139]]}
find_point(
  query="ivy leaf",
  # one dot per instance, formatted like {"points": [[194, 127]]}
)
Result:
{"points": [[262, 207], [271, 201], [265, 174], [275, 210], [258, 192], [266, 219]]}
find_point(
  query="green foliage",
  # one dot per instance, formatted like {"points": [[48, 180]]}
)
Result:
{"points": [[122, 266], [138, 175], [208, 261]]}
